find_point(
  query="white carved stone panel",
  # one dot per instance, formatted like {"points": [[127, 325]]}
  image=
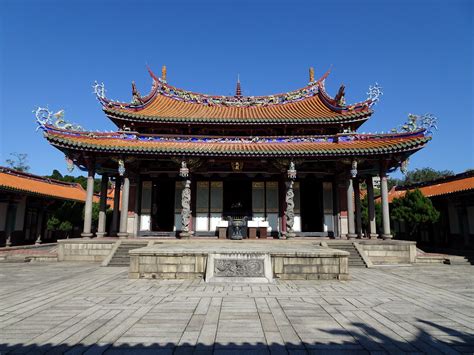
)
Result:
{"points": [[177, 205], [328, 207], [272, 203], [145, 207], [297, 201]]}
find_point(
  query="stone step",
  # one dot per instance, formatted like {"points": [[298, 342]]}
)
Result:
{"points": [[121, 256]]}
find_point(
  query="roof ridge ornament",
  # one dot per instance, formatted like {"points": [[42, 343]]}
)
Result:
{"points": [[44, 117], [311, 76], [427, 122], [99, 91], [374, 94], [163, 73]]}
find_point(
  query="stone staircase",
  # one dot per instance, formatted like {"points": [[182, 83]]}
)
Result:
{"points": [[466, 260], [121, 257], [355, 260]]}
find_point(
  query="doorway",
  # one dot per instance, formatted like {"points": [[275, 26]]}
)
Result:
{"points": [[162, 211], [311, 205], [237, 198]]}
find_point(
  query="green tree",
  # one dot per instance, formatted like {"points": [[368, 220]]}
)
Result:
{"points": [[81, 180], [18, 161], [425, 174], [415, 210]]}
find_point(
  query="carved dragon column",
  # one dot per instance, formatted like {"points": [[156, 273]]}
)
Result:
{"points": [[116, 212], [290, 203], [186, 228]]}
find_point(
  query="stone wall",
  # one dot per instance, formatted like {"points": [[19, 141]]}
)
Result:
{"points": [[167, 266], [153, 264], [310, 268], [387, 252], [91, 250]]}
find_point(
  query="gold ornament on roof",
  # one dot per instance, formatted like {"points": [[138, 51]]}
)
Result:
{"points": [[163, 73], [311, 74]]}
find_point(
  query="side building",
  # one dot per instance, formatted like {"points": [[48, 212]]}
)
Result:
{"points": [[26, 202], [189, 164], [453, 197]]}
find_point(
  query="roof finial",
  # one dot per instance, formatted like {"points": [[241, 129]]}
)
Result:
{"points": [[311, 74], [238, 90], [163, 73]]}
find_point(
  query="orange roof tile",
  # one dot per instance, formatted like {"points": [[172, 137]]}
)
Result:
{"points": [[294, 146], [167, 109], [166, 103], [437, 189], [32, 184]]}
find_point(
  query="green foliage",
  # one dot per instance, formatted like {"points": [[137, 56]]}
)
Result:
{"points": [[63, 212], [415, 210], [65, 226], [425, 174], [18, 161], [82, 180], [52, 223]]}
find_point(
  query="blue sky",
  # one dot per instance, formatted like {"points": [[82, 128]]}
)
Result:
{"points": [[420, 52]]}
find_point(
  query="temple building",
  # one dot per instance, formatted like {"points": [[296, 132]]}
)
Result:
{"points": [[191, 164]]}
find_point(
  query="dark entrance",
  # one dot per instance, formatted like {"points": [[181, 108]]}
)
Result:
{"points": [[162, 211], [312, 216], [238, 198]]}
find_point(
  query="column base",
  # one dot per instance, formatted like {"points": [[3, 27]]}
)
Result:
{"points": [[386, 236], [351, 236], [101, 234], [373, 236], [87, 235], [290, 235], [122, 235], [185, 235]]}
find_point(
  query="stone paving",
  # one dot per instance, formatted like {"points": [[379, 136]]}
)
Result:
{"points": [[78, 308]]}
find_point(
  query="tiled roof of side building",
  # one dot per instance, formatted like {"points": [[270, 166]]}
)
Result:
{"points": [[454, 184], [238, 146], [166, 103], [13, 180], [17, 181]]}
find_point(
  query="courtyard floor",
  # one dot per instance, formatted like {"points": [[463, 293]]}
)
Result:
{"points": [[78, 308]]}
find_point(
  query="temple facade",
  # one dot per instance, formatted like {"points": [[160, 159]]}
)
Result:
{"points": [[281, 165]]}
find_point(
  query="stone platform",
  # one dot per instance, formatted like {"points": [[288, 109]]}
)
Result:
{"points": [[240, 261]]}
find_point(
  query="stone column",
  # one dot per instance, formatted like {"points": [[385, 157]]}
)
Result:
{"points": [[371, 208], [358, 210], [116, 212], [290, 209], [385, 209], [104, 184], [186, 229], [124, 212], [138, 194], [350, 210], [39, 226], [87, 231]]}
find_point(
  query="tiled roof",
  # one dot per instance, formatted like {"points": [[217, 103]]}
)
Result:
{"points": [[437, 188], [169, 110], [168, 104], [16, 181], [347, 145]]}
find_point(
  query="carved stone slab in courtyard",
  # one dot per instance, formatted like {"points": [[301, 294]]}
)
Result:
{"points": [[239, 267]]}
